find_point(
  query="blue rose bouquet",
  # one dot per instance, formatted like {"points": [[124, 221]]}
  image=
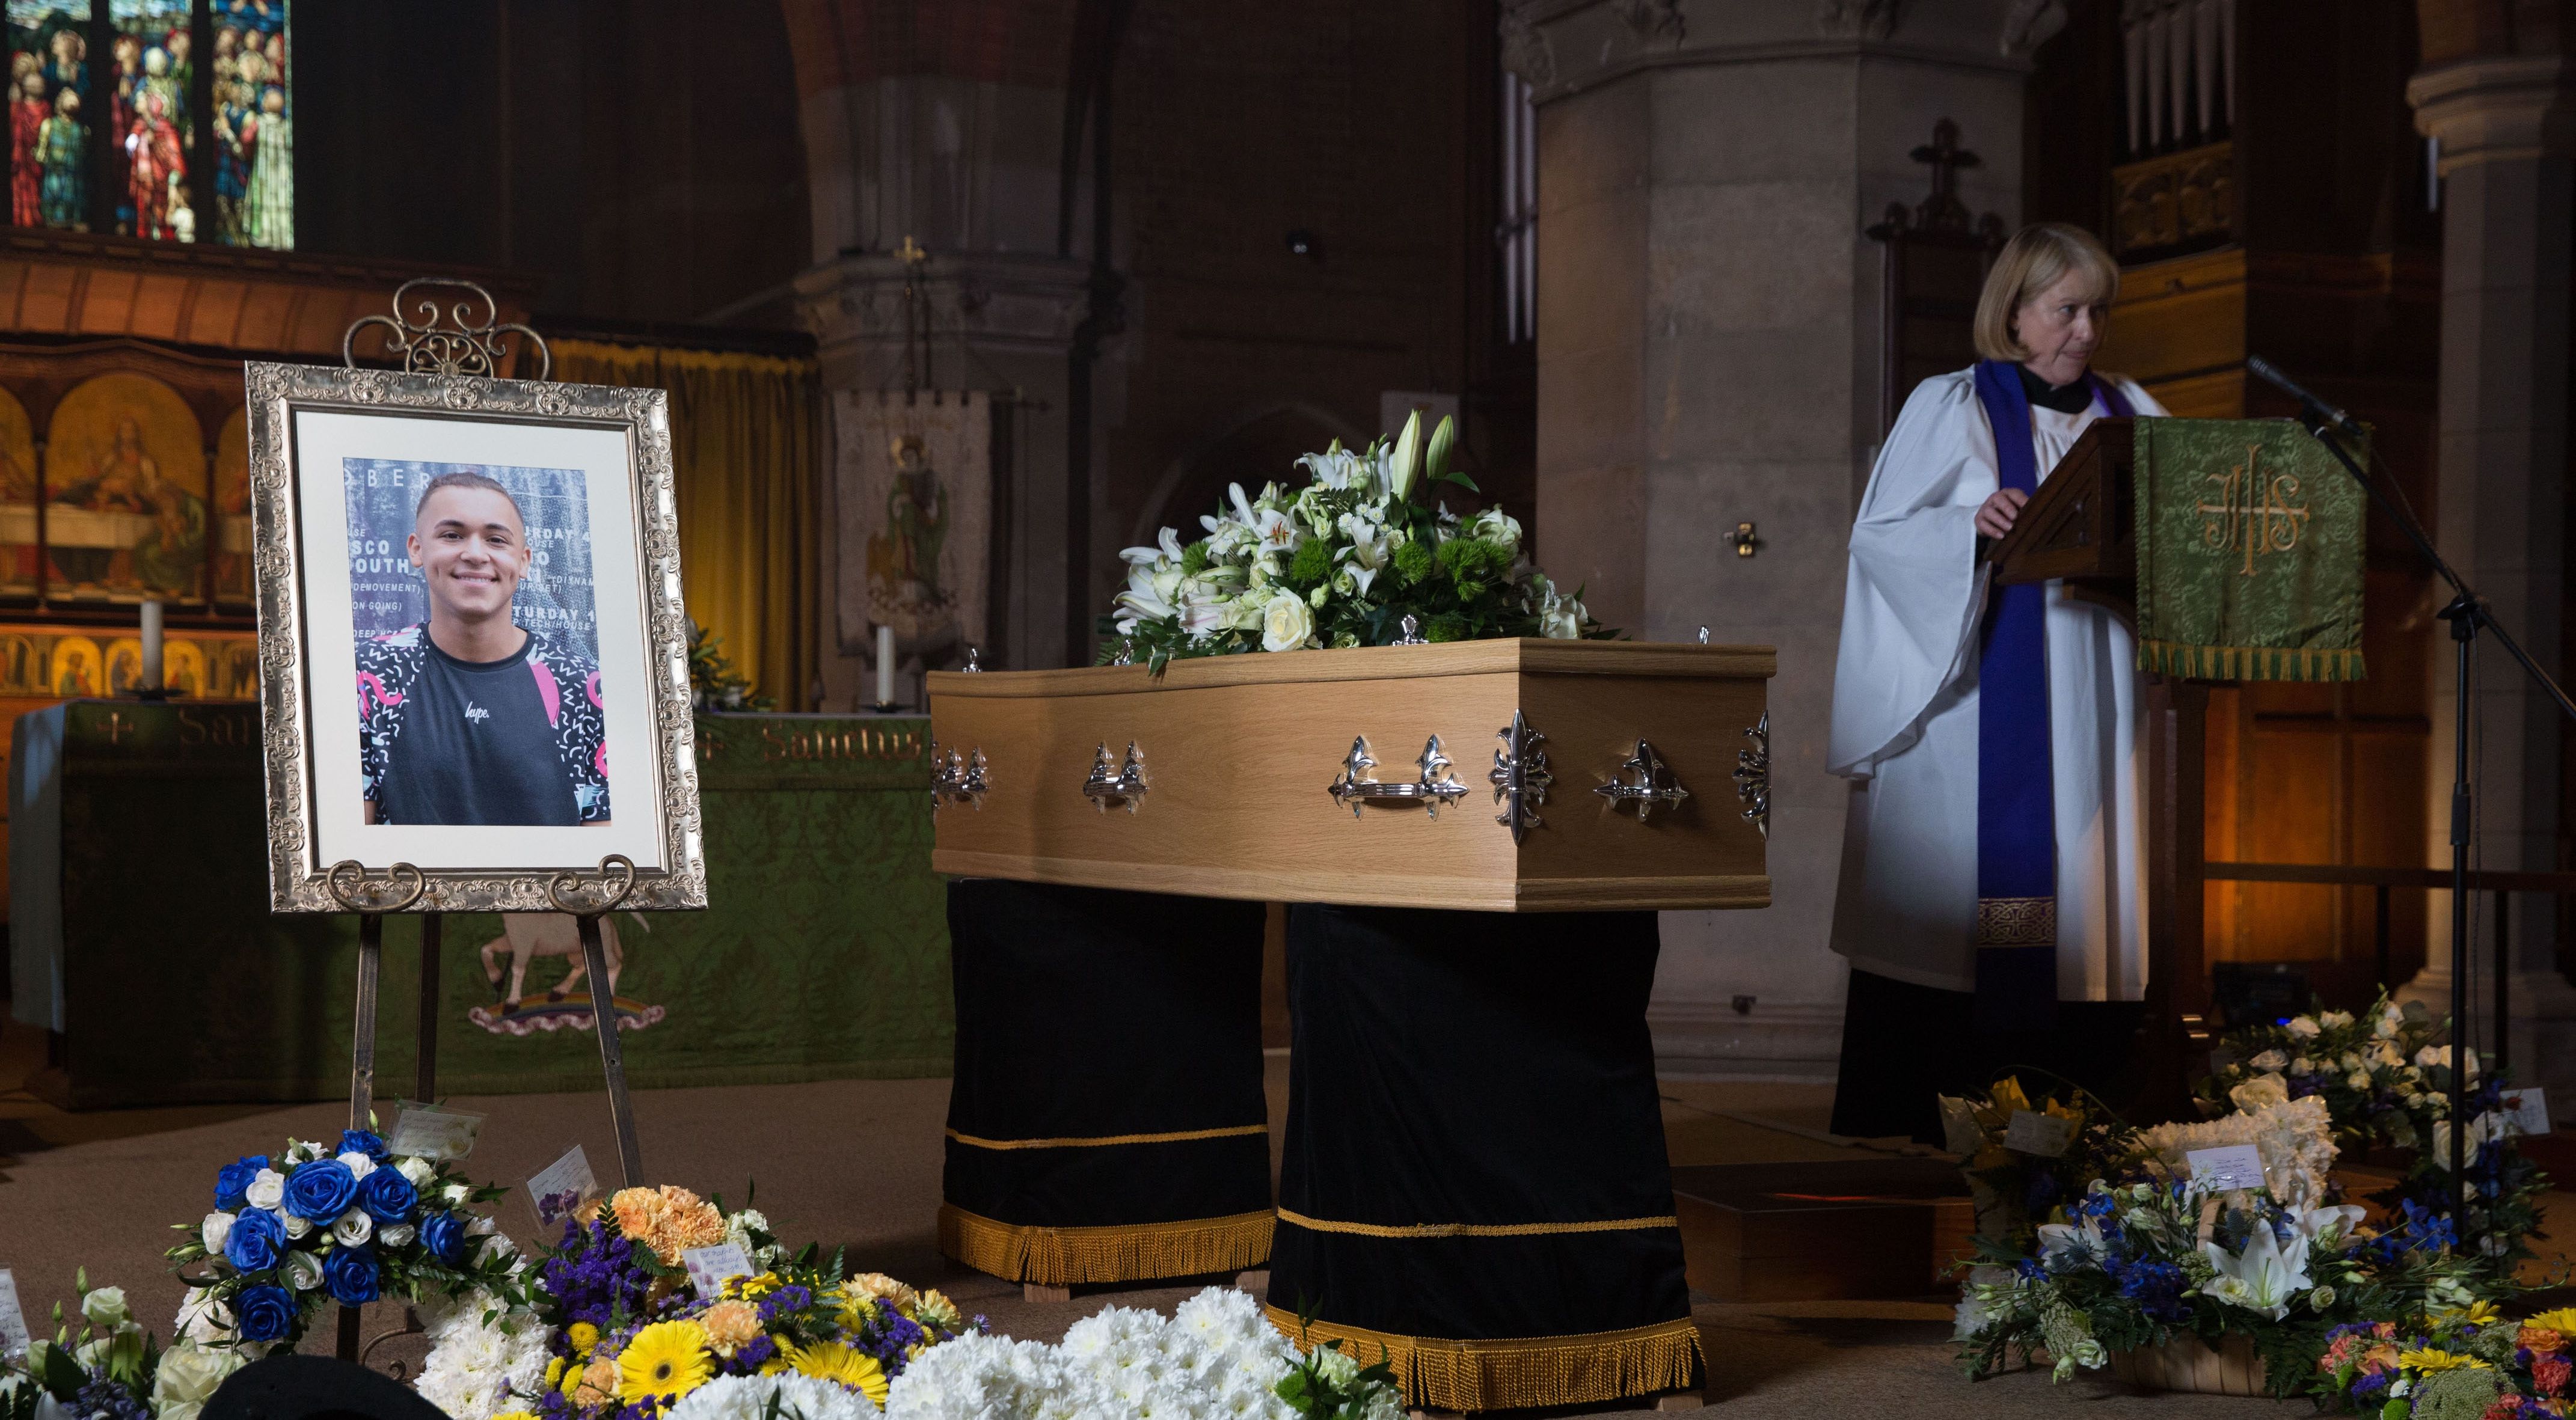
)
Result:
{"points": [[319, 1224]]}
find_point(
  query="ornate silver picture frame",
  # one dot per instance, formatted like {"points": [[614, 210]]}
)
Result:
{"points": [[339, 458]]}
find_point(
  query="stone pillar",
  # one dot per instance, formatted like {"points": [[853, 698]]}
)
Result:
{"points": [[2507, 134], [956, 149], [1709, 348]]}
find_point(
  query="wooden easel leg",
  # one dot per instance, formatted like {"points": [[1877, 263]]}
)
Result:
{"points": [[432, 935], [612, 1056]]}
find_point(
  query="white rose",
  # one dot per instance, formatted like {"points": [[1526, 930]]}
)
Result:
{"points": [[2359, 1080], [2270, 1061], [1287, 623], [353, 1228], [303, 1270], [399, 1235], [419, 1171], [2304, 1027], [2302, 1066], [1495, 525], [358, 1165], [2335, 1020], [105, 1307], [1562, 620], [213, 1231], [267, 1189], [296, 1224], [457, 1193], [187, 1378], [203, 1319]]}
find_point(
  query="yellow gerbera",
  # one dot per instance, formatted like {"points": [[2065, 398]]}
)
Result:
{"points": [[751, 1288], [842, 1365], [2561, 1320], [2430, 1359], [667, 1359], [514, 1415]]}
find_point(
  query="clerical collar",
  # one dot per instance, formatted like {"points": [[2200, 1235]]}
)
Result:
{"points": [[2065, 399]]}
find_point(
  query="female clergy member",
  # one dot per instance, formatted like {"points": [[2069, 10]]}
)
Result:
{"points": [[1991, 862]]}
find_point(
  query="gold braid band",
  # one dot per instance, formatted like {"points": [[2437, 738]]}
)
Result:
{"points": [[1518, 1372], [1475, 1230], [1099, 1140], [1119, 1252]]}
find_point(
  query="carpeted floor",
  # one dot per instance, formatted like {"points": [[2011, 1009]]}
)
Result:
{"points": [[856, 1163]]}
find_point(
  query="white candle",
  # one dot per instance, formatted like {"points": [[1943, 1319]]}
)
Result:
{"points": [[885, 665], [151, 646]]}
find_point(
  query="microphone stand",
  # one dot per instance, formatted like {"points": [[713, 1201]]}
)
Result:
{"points": [[2468, 614]]}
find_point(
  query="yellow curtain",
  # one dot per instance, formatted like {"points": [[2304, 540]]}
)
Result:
{"points": [[746, 455]]}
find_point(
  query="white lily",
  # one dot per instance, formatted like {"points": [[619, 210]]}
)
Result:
{"points": [[2332, 1226], [1372, 547], [2065, 1246], [2260, 1279]]}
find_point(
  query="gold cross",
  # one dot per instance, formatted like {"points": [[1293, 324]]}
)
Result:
{"points": [[2252, 511]]}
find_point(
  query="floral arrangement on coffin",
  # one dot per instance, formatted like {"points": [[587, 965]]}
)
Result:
{"points": [[318, 1224], [1217, 1355], [1341, 562], [2382, 1081], [2469, 1365], [113, 1370], [2150, 1260], [614, 1330]]}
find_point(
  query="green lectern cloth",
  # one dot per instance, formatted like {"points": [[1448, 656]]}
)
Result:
{"points": [[2249, 552]]}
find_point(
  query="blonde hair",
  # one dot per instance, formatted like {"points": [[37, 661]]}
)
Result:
{"points": [[2037, 258]]}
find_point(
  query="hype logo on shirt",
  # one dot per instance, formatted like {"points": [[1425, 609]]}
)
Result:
{"points": [[476, 714]]}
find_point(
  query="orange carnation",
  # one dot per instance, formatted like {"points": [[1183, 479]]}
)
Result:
{"points": [[2540, 1338], [731, 1325]]}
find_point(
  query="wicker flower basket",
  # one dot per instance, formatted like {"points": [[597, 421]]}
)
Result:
{"points": [[2185, 1364]]}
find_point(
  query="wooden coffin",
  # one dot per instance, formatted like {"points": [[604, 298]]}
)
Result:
{"points": [[1301, 777]]}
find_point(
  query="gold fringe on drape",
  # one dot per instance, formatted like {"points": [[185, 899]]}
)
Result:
{"points": [[746, 454], [1520, 1372], [2247, 662], [1132, 1252]]}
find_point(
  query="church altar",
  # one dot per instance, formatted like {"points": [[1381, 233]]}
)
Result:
{"points": [[137, 852]]}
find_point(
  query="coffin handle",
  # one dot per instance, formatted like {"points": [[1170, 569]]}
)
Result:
{"points": [[1436, 786]]}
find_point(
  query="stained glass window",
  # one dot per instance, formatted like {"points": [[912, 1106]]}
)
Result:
{"points": [[49, 158], [254, 126], [153, 67]]}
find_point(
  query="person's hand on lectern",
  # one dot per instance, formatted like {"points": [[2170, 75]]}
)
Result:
{"points": [[1995, 515]]}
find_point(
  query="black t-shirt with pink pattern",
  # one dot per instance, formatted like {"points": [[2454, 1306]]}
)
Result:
{"points": [[518, 741]]}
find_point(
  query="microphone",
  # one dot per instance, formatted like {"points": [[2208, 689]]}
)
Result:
{"points": [[2270, 374]]}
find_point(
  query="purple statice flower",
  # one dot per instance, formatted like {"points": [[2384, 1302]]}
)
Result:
{"points": [[104, 1399], [752, 1355], [594, 1276], [889, 1336]]}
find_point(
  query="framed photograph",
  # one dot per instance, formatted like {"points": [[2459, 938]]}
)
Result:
{"points": [[473, 655]]}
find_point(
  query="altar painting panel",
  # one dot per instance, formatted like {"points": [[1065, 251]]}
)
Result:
{"points": [[231, 552], [17, 499], [125, 488]]}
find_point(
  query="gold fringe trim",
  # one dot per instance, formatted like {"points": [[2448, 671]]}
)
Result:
{"points": [[1125, 1252], [1096, 1141], [1475, 1230], [1519, 1372], [2177, 658]]}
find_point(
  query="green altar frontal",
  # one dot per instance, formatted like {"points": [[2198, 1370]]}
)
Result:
{"points": [[141, 936]]}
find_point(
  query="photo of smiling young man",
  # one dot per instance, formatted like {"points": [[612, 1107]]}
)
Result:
{"points": [[469, 716]]}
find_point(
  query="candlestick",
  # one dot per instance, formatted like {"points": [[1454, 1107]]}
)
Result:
{"points": [[885, 667], [151, 647]]}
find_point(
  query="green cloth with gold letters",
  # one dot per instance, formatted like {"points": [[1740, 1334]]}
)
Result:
{"points": [[2249, 552], [823, 952]]}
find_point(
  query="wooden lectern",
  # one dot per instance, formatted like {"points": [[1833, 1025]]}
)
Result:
{"points": [[2081, 528]]}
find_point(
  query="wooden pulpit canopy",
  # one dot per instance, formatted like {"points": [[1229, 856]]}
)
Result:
{"points": [[2081, 526]]}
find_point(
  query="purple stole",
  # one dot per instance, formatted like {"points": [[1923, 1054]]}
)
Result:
{"points": [[2016, 809]]}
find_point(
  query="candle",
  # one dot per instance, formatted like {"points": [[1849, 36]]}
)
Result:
{"points": [[151, 646], [885, 665]]}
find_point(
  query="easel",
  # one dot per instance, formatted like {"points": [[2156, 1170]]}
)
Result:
{"points": [[455, 347]]}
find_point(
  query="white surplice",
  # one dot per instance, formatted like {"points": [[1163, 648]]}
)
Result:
{"points": [[1905, 719]]}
